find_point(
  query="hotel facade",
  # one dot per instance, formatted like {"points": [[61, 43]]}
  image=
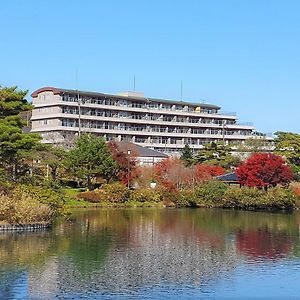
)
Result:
{"points": [[60, 115]]}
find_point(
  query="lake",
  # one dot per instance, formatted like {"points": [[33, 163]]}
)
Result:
{"points": [[155, 254]]}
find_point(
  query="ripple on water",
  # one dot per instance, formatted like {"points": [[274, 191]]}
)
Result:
{"points": [[154, 254]]}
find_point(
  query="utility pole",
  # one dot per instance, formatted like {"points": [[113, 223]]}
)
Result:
{"points": [[128, 168], [223, 131], [79, 114]]}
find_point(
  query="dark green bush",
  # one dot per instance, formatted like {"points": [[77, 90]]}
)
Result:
{"points": [[185, 199], [209, 194], [44, 195], [252, 198], [244, 197], [280, 198]]}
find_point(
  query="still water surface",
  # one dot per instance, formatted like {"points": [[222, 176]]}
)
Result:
{"points": [[155, 254]]}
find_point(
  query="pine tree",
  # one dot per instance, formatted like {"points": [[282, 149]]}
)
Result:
{"points": [[187, 155]]}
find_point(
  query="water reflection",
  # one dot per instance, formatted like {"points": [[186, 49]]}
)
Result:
{"points": [[117, 252]]}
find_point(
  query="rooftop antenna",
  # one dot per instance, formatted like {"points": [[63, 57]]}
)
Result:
{"points": [[134, 82], [181, 90]]}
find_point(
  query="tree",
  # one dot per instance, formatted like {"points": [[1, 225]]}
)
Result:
{"points": [[173, 174], [91, 159], [256, 144], [12, 101], [287, 144], [14, 143], [205, 171], [262, 170], [127, 166], [218, 155], [50, 159], [187, 155]]}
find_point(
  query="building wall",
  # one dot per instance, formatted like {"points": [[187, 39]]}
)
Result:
{"points": [[163, 126]]}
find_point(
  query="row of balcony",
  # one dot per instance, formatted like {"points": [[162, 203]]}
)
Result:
{"points": [[148, 129], [146, 104], [147, 116]]}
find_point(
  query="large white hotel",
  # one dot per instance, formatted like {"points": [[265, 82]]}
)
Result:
{"points": [[59, 115]]}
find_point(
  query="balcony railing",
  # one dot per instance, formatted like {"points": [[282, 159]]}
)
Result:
{"points": [[150, 117], [147, 105]]}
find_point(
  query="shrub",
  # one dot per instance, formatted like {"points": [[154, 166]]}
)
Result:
{"points": [[44, 195], [146, 195], [185, 199], [114, 192], [90, 196], [295, 186], [252, 198], [243, 198], [280, 198], [209, 194], [23, 209]]}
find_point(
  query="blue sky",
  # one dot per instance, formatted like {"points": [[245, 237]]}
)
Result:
{"points": [[243, 55]]}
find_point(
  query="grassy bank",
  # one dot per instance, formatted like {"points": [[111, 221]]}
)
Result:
{"points": [[212, 194], [27, 204]]}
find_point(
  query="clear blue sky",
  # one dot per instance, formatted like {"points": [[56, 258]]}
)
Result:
{"points": [[242, 55]]}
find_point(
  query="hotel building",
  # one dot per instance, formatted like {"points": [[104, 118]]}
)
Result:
{"points": [[59, 115]]}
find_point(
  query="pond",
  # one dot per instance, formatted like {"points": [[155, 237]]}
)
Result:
{"points": [[155, 254]]}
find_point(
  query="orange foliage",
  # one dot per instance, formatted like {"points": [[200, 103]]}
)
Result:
{"points": [[296, 190], [204, 171], [173, 174]]}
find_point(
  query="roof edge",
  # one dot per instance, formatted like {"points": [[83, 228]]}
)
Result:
{"points": [[57, 91], [46, 89]]}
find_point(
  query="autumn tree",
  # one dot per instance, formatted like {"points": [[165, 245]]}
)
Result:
{"points": [[262, 170], [204, 171], [173, 174], [126, 163]]}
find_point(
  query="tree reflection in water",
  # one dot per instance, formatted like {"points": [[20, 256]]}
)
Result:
{"points": [[119, 250]]}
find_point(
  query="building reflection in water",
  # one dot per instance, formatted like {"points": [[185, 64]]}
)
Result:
{"points": [[125, 250]]}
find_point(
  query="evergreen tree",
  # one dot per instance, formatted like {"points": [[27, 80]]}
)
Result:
{"points": [[91, 159], [14, 143], [287, 144], [218, 155], [187, 155]]}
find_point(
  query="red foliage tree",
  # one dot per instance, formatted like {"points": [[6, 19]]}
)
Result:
{"points": [[205, 171], [127, 165], [263, 170], [173, 174]]}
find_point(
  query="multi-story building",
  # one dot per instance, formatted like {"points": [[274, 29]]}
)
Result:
{"points": [[164, 125]]}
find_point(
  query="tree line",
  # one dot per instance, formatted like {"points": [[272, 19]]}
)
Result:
{"points": [[23, 158]]}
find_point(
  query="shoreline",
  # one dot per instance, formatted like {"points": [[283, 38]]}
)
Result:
{"points": [[24, 227], [163, 206]]}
